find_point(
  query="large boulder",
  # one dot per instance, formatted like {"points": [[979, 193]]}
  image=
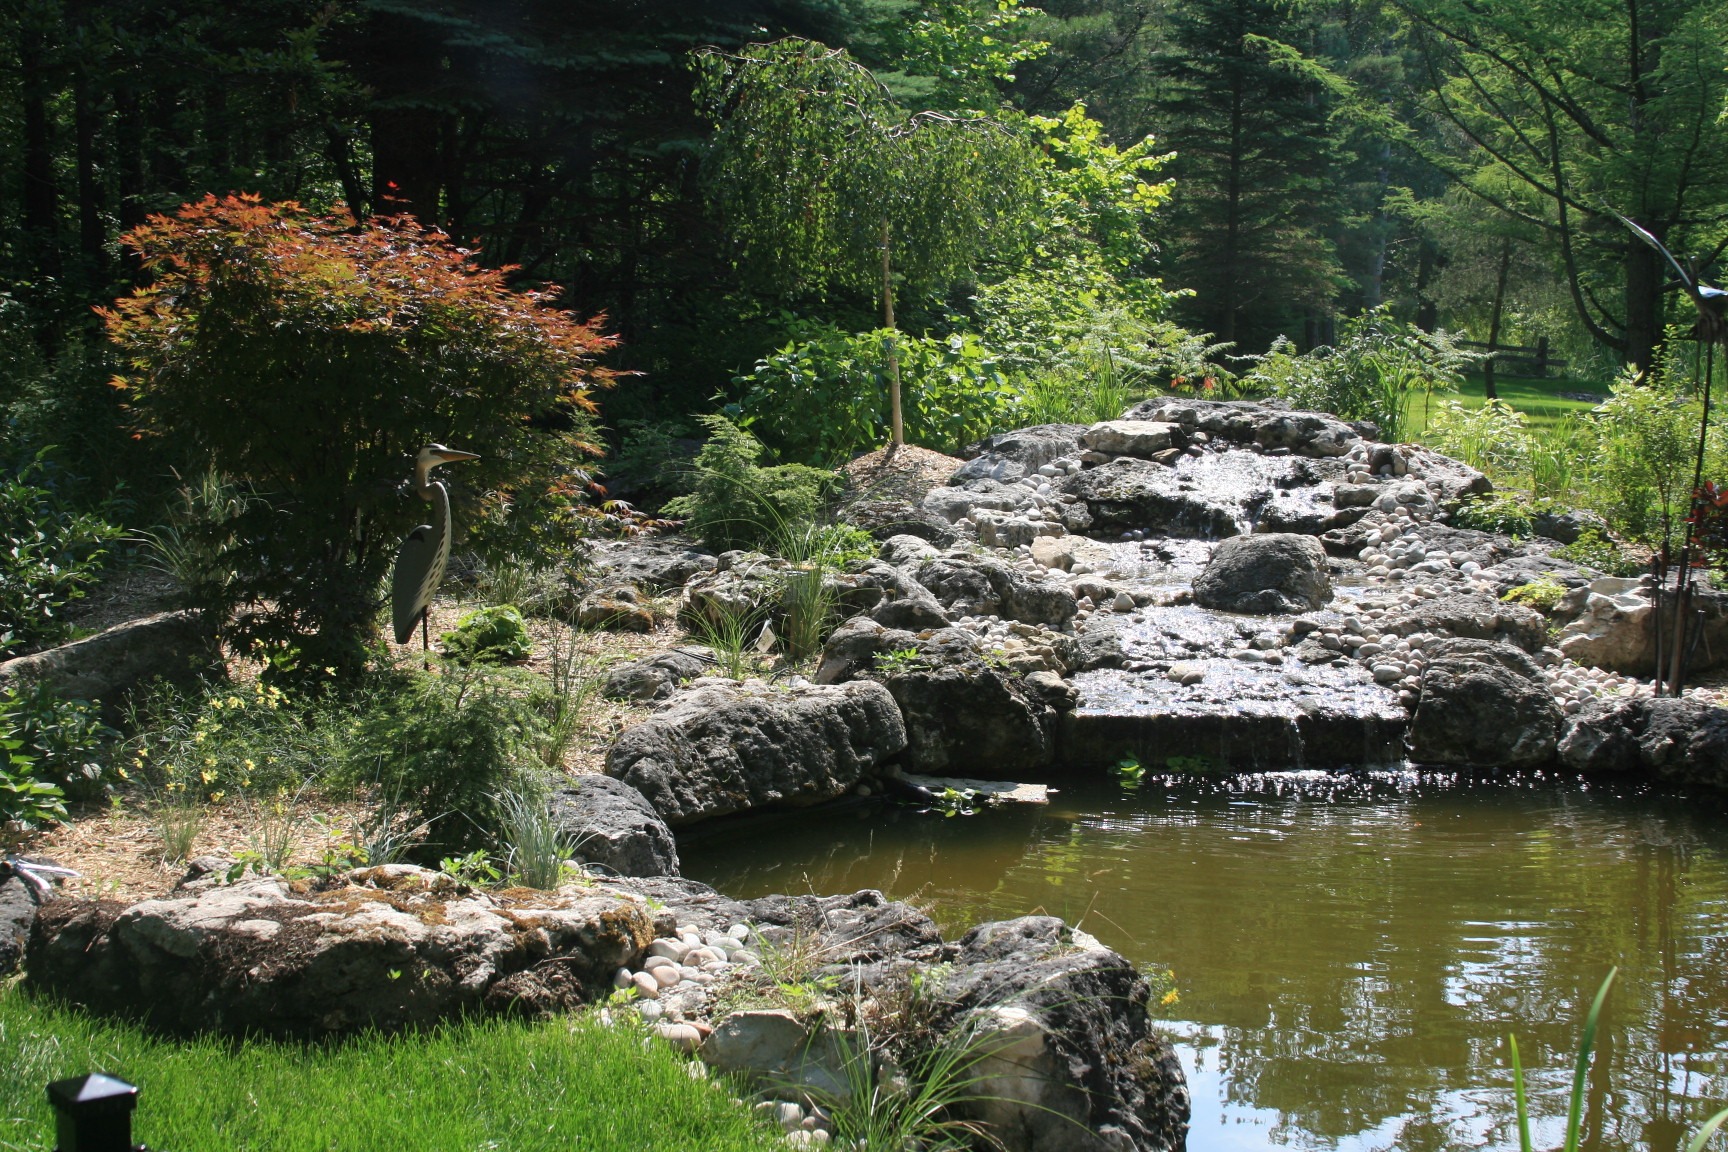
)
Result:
{"points": [[1684, 741], [614, 827], [657, 563], [658, 676], [1068, 1058], [1607, 624], [722, 747], [1471, 616], [962, 713], [1266, 425], [1483, 703], [1214, 494], [984, 586], [1007, 456], [174, 646], [1143, 438], [1274, 573], [18, 904], [390, 948]]}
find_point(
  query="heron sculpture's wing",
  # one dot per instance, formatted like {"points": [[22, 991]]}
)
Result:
{"points": [[1645, 235], [408, 597]]}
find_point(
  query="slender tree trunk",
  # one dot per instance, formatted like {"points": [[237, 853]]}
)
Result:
{"points": [[1644, 274], [1232, 278], [92, 235], [1494, 318], [897, 432], [1427, 311]]}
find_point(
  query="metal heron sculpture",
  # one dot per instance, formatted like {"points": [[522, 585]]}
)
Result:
{"points": [[1710, 330], [421, 558]]}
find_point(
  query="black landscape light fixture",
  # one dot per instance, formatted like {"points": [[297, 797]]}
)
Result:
{"points": [[93, 1113]]}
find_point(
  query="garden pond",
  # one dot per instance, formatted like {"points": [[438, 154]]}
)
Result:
{"points": [[1349, 950]]}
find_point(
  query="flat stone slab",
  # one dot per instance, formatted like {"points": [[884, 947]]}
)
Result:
{"points": [[999, 791], [1197, 694]]}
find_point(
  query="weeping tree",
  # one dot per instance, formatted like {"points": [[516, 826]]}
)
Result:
{"points": [[824, 182]]}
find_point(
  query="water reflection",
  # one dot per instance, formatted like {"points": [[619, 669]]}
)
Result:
{"points": [[1351, 951]]}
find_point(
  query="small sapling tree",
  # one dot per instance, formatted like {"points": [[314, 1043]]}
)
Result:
{"points": [[308, 357]]}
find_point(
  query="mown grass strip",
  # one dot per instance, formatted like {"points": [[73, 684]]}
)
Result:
{"points": [[570, 1084]]}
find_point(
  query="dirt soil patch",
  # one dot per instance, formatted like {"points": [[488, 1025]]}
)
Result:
{"points": [[907, 474]]}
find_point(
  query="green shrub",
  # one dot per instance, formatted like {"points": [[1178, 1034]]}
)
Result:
{"points": [[446, 744], [50, 555], [497, 635], [1542, 594], [1646, 443], [25, 798], [65, 739], [1493, 438], [238, 739], [1502, 512], [1594, 550], [823, 397], [736, 502], [1374, 372]]}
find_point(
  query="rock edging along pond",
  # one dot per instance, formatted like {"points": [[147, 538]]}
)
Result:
{"points": [[1060, 1049], [1225, 585]]}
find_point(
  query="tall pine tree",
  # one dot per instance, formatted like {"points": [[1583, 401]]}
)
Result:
{"points": [[1254, 169]]}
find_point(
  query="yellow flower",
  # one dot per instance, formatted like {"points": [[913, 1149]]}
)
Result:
{"points": [[209, 761], [216, 704], [250, 767], [216, 797], [123, 774], [207, 776], [235, 702], [144, 750]]}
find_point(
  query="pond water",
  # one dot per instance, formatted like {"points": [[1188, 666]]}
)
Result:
{"points": [[1350, 951]]}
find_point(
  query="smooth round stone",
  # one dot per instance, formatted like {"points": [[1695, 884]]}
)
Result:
{"points": [[646, 986], [654, 962], [715, 967], [697, 957], [1368, 649], [1123, 602], [672, 950], [1249, 656], [691, 939], [683, 1037], [788, 1115], [666, 977], [688, 973], [621, 978], [1388, 673], [745, 956]]}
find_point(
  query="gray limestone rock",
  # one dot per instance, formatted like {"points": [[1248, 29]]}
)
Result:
{"points": [[174, 646], [653, 562], [720, 748], [656, 677], [1072, 1060], [613, 826], [1682, 741], [1483, 703], [1267, 574], [1008, 456], [391, 947]]}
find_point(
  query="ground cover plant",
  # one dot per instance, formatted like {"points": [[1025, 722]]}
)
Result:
{"points": [[498, 1084]]}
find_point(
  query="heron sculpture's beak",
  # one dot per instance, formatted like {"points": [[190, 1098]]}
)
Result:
{"points": [[451, 455]]}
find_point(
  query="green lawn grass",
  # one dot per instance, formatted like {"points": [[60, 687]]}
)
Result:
{"points": [[521, 1087], [1541, 399]]}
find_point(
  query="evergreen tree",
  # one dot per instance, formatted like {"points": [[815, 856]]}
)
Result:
{"points": [[1255, 170]]}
